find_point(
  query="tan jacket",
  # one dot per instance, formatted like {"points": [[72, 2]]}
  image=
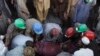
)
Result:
{"points": [[11, 32], [42, 7], [22, 9], [72, 7], [29, 23]]}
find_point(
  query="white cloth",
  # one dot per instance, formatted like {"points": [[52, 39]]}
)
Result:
{"points": [[20, 40], [18, 51], [64, 54], [84, 52], [49, 26], [3, 49]]}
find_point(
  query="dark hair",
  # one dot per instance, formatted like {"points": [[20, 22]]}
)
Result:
{"points": [[64, 47], [29, 43], [0, 12]]}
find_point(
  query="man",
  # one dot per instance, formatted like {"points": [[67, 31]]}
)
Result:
{"points": [[20, 40], [83, 50], [61, 8], [64, 51], [81, 10], [4, 8], [4, 22], [34, 28], [28, 50], [15, 28], [52, 32], [85, 44], [21, 8], [42, 7]]}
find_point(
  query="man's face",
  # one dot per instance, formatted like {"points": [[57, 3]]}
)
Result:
{"points": [[54, 33]]}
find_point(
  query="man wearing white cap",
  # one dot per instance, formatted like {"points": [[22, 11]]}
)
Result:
{"points": [[34, 28], [84, 51], [52, 32]]}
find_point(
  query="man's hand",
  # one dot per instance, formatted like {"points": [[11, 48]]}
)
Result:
{"points": [[12, 1], [7, 41], [6, 44], [65, 16]]}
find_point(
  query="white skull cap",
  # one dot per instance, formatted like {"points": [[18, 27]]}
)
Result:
{"points": [[85, 40]]}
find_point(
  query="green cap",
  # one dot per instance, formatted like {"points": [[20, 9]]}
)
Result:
{"points": [[82, 28], [20, 23]]}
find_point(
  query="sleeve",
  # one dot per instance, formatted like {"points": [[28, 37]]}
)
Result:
{"points": [[10, 29], [28, 28], [27, 32], [9, 34]]}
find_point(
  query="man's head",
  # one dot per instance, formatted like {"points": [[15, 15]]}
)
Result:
{"points": [[83, 42], [29, 51], [81, 28], [30, 43], [90, 35], [69, 32], [64, 47]]}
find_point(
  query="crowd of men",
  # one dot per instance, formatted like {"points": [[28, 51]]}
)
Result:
{"points": [[49, 28]]}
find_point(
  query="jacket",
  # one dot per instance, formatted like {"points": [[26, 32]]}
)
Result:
{"points": [[42, 8], [22, 9]]}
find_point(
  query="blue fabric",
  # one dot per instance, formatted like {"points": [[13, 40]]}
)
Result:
{"points": [[81, 12]]}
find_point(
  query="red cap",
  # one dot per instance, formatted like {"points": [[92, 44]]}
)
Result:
{"points": [[70, 32], [89, 34]]}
